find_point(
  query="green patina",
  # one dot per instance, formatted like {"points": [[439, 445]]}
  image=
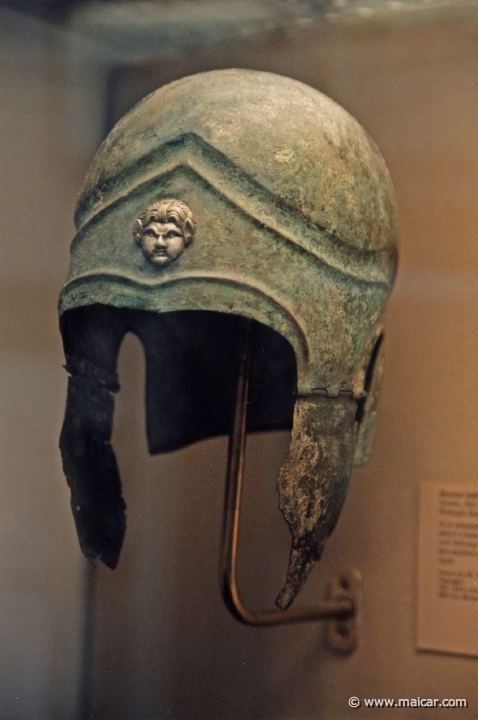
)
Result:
{"points": [[296, 228]]}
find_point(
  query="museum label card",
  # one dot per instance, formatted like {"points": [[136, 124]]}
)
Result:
{"points": [[448, 568]]}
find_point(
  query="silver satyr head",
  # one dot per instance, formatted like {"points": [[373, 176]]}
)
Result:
{"points": [[163, 230]]}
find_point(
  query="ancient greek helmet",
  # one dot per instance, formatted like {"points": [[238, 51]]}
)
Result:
{"points": [[228, 195]]}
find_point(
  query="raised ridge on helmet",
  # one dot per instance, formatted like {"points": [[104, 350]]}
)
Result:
{"points": [[251, 118], [193, 155]]}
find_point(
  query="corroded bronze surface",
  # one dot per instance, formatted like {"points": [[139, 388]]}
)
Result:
{"points": [[294, 228], [314, 480]]}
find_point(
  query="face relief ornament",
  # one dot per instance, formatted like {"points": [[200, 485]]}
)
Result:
{"points": [[163, 230], [251, 196]]}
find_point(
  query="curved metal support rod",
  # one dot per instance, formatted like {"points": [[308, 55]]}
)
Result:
{"points": [[340, 608]]}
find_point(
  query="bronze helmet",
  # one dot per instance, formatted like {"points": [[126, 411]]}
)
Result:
{"points": [[227, 195]]}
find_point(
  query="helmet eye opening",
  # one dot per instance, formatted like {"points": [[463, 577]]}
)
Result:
{"points": [[192, 360]]}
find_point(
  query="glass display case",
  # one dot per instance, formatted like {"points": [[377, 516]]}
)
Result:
{"points": [[152, 638]]}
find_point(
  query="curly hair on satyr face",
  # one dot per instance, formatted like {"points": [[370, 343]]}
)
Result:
{"points": [[166, 211]]}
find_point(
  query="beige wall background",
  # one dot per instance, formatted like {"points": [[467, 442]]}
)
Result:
{"points": [[164, 646], [50, 124]]}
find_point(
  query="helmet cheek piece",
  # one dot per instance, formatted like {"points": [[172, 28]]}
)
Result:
{"points": [[91, 349], [330, 436], [314, 480], [201, 211]]}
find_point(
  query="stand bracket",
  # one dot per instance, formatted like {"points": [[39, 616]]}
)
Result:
{"points": [[341, 609], [342, 633]]}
